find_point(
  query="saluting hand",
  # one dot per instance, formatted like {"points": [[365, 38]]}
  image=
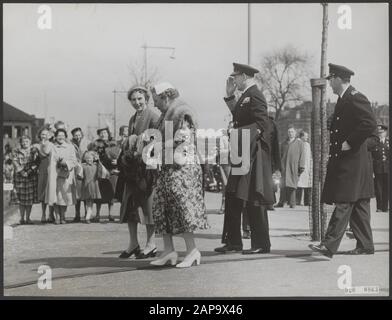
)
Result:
{"points": [[230, 86], [345, 146]]}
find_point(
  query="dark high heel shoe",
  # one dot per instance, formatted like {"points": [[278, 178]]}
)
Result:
{"points": [[150, 254], [125, 254]]}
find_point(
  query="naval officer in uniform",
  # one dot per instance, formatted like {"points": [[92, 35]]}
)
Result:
{"points": [[253, 189], [349, 179], [380, 154]]}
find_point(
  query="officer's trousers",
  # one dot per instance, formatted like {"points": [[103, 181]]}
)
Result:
{"points": [[258, 221], [358, 214], [381, 188]]}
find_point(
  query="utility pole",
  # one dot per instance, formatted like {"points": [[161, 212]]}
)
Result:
{"points": [[249, 34], [115, 111], [114, 114]]}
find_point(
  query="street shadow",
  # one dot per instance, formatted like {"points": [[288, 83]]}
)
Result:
{"points": [[85, 262], [214, 211], [212, 236], [132, 263], [180, 253], [290, 230], [115, 265]]}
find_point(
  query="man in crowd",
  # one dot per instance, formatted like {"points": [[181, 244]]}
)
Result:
{"points": [[380, 154], [293, 164], [349, 171], [80, 144]]}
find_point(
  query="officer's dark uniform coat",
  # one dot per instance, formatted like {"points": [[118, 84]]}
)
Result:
{"points": [[380, 153], [349, 173], [256, 186]]}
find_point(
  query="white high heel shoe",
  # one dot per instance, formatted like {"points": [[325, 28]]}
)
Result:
{"points": [[191, 259], [170, 258]]}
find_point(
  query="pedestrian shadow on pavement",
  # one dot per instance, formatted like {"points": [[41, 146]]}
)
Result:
{"points": [[104, 265], [114, 262]]}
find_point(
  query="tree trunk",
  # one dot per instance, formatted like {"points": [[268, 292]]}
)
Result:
{"points": [[323, 116]]}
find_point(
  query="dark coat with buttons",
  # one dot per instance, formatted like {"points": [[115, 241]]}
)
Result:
{"points": [[350, 173], [255, 185], [380, 154]]}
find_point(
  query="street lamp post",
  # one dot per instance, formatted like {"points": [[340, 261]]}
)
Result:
{"points": [[115, 111]]}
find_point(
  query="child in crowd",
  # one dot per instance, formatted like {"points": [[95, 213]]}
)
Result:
{"points": [[89, 176]]}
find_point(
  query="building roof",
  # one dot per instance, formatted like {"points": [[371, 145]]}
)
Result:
{"points": [[11, 113]]}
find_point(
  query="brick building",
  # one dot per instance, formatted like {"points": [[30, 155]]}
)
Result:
{"points": [[17, 122], [300, 117]]}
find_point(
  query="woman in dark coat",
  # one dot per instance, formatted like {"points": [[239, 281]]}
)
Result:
{"points": [[137, 192], [44, 162], [103, 146]]}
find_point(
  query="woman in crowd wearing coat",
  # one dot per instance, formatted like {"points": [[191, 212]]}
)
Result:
{"points": [[305, 179], [80, 144], [178, 206], [293, 164], [106, 186], [44, 160], [25, 161], [61, 189], [137, 193]]}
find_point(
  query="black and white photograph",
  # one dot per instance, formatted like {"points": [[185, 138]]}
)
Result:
{"points": [[196, 150]]}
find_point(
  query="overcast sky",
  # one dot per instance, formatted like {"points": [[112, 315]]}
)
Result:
{"points": [[87, 53]]}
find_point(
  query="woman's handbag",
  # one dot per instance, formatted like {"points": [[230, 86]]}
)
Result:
{"points": [[62, 170]]}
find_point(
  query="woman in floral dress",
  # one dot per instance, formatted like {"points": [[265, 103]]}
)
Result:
{"points": [[178, 206]]}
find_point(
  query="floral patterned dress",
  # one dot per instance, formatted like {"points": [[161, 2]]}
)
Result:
{"points": [[25, 162], [178, 204]]}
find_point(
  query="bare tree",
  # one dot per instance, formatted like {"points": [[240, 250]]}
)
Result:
{"points": [[138, 74], [284, 77]]}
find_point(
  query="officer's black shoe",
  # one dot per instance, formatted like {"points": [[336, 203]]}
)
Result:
{"points": [[228, 249], [279, 205], [358, 251], [320, 248], [256, 251]]}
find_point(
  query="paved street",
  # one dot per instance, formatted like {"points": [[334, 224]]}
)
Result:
{"points": [[83, 260]]}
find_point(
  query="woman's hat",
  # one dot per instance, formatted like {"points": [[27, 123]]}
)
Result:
{"points": [[137, 88], [162, 87], [75, 130], [103, 129]]}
